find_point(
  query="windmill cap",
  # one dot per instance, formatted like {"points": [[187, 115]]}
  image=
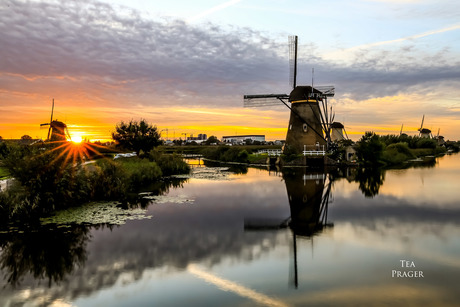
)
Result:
{"points": [[304, 92], [425, 130], [337, 125]]}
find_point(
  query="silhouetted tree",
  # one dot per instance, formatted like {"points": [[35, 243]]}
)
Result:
{"points": [[136, 136], [369, 149], [26, 137], [211, 140]]}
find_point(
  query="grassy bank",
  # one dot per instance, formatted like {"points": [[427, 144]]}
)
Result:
{"points": [[4, 173], [52, 179]]}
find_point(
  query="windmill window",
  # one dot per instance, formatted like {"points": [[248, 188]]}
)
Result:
{"points": [[305, 127], [290, 127]]}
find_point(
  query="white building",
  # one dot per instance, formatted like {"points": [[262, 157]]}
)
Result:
{"points": [[240, 139]]}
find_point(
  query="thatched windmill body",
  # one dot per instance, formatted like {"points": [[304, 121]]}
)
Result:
{"points": [[57, 131], [309, 122]]}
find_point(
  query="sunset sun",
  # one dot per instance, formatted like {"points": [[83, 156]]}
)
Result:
{"points": [[77, 139]]}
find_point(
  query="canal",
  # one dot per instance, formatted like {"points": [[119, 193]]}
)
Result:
{"points": [[254, 237]]}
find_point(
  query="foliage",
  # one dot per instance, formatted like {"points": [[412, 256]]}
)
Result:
{"points": [[369, 148], [3, 172], [136, 136], [426, 143], [170, 164], [4, 149], [290, 153], [47, 180], [397, 153], [49, 254], [370, 179], [226, 154], [211, 140], [26, 137]]}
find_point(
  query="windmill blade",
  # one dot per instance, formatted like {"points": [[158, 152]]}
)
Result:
{"points": [[400, 132], [345, 132], [52, 111], [67, 133], [421, 126], [252, 101], [326, 90], [49, 132], [293, 60], [45, 124]]}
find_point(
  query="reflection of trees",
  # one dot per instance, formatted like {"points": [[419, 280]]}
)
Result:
{"points": [[370, 179], [46, 254]]}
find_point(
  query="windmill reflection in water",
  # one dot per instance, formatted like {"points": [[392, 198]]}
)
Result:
{"points": [[309, 194]]}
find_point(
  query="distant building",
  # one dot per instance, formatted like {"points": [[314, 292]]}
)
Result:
{"points": [[240, 139], [200, 138]]}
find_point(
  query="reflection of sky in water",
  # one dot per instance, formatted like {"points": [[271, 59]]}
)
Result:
{"points": [[198, 254]]}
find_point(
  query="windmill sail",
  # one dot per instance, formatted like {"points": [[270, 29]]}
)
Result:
{"points": [[293, 61], [252, 101]]}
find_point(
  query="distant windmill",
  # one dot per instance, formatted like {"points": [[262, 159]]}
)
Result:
{"points": [[309, 123], [424, 132], [440, 138], [337, 131], [57, 131]]}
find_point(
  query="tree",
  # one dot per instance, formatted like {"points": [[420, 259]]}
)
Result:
{"points": [[369, 149], [212, 140], [136, 136], [26, 137]]}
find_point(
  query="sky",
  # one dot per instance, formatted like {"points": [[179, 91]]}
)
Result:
{"points": [[184, 66]]}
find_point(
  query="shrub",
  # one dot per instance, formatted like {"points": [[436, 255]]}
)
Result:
{"points": [[426, 143], [369, 148], [169, 164]]}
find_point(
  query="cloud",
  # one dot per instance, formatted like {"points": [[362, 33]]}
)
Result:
{"points": [[92, 41], [91, 50]]}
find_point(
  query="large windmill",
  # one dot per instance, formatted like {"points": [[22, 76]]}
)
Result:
{"points": [[424, 132], [57, 131], [309, 122]]}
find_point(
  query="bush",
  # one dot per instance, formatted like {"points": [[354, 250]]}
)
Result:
{"points": [[50, 180], [226, 154], [426, 143], [397, 153], [170, 164], [369, 149]]}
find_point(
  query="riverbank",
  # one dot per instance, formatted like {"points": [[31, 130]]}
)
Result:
{"points": [[56, 178]]}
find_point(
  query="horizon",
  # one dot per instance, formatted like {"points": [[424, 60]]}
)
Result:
{"points": [[185, 66]]}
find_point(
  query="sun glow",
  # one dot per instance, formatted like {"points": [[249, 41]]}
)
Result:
{"points": [[77, 139]]}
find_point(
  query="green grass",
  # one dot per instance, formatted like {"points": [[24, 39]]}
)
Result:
{"points": [[3, 173]]}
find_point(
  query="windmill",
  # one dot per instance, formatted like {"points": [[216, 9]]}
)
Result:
{"points": [[309, 196], [309, 122], [440, 138], [424, 132], [57, 131], [337, 131]]}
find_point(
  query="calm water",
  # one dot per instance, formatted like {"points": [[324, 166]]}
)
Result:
{"points": [[226, 243]]}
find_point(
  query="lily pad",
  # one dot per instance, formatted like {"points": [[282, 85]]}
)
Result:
{"points": [[209, 173], [96, 213]]}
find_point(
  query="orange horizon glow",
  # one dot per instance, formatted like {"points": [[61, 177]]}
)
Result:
{"points": [[91, 121]]}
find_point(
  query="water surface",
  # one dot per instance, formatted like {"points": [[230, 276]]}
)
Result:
{"points": [[257, 238]]}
